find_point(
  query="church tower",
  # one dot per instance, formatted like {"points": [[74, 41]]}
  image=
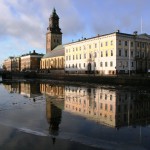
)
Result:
{"points": [[54, 34]]}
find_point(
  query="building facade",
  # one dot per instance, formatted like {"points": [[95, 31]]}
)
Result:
{"points": [[7, 65], [30, 61], [53, 60], [109, 54], [16, 64]]}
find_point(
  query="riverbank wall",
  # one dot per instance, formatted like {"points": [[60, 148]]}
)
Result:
{"points": [[108, 80], [133, 80]]}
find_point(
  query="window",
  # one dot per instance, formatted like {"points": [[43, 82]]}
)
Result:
{"points": [[84, 56], [80, 56], [131, 53], [110, 97], [95, 54], [84, 65], [131, 44], [126, 64], [90, 56], [101, 44], [80, 65], [73, 57], [132, 64], [84, 47], [69, 57], [95, 45], [101, 64], [111, 64], [105, 106], [105, 96], [111, 108], [101, 54], [106, 44], [66, 57], [101, 105], [105, 64], [126, 53], [119, 42], [89, 46], [126, 43], [76, 56], [120, 64], [111, 42], [119, 52], [111, 52], [106, 53]]}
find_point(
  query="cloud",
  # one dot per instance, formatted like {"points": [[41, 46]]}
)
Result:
{"points": [[24, 22]]}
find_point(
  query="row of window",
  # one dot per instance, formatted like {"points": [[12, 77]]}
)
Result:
{"points": [[84, 56], [125, 53], [125, 64], [84, 65], [89, 46]]}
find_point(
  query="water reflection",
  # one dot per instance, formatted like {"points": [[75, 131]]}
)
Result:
{"points": [[111, 107]]}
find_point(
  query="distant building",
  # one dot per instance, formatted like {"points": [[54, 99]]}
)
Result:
{"points": [[16, 64], [7, 65], [54, 57], [109, 54], [30, 61]]}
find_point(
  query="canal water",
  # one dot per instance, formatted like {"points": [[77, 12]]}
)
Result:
{"points": [[59, 116]]}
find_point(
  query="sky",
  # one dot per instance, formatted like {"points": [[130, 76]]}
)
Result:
{"points": [[23, 23]]}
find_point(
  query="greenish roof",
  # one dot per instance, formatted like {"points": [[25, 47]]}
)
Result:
{"points": [[57, 51]]}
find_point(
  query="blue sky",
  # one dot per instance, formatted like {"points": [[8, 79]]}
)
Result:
{"points": [[23, 23]]}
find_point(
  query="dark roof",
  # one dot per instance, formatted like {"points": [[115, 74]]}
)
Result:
{"points": [[32, 53], [57, 51], [144, 36]]}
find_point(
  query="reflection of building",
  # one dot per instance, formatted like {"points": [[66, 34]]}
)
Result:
{"points": [[95, 104], [52, 90], [109, 107], [53, 115], [30, 90], [12, 88], [54, 103]]}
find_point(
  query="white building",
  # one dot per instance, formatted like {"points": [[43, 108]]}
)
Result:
{"points": [[109, 54]]}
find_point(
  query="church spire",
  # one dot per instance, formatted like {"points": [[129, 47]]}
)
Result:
{"points": [[54, 34], [54, 22]]}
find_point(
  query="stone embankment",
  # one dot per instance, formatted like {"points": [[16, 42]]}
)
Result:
{"points": [[126, 80]]}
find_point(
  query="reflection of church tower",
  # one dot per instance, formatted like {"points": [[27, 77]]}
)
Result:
{"points": [[54, 34], [53, 114]]}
